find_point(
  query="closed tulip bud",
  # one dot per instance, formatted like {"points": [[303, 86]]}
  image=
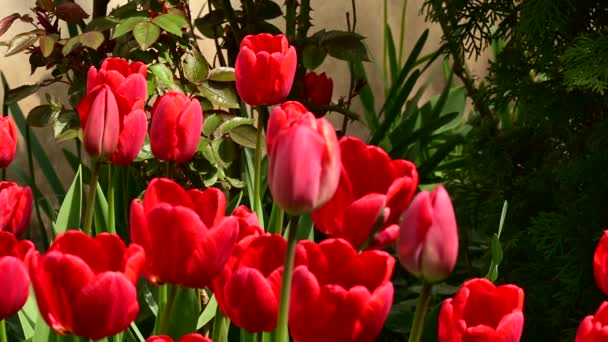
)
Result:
{"points": [[8, 140], [264, 69], [317, 91], [185, 338], [594, 328], [112, 115], [600, 263], [176, 127], [15, 208], [14, 279], [481, 311], [427, 243], [303, 158]]}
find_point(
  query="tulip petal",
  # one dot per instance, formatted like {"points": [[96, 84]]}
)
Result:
{"points": [[86, 248], [374, 312], [133, 88], [100, 135], [139, 225], [245, 67], [112, 246], [360, 218], [14, 286], [134, 262], [163, 190], [163, 139], [188, 131], [8, 141], [131, 138]]}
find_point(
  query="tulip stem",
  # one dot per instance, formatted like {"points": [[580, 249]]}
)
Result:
{"points": [[3, 337], [165, 318], [111, 195], [421, 309], [88, 216], [282, 333], [218, 325], [3, 175], [257, 178]]}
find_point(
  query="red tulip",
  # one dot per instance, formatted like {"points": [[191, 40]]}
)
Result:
{"points": [[185, 338], [428, 237], [248, 222], [339, 295], [112, 115], [303, 158], [15, 208], [249, 287], [14, 281], [318, 90], [594, 328], [185, 234], [600, 263], [264, 69], [481, 311], [176, 127], [85, 285], [370, 183], [8, 140]]}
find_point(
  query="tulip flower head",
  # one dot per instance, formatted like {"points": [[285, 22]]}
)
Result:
{"points": [[185, 338], [303, 158], [8, 140], [594, 328], [600, 263], [317, 91], [427, 244], [265, 68], [15, 208], [371, 184], [481, 311], [14, 280]]}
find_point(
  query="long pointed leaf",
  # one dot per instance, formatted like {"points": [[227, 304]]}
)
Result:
{"points": [[71, 208]]}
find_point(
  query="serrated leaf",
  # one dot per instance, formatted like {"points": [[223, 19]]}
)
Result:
{"points": [[7, 22], [92, 39], [71, 207], [210, 24], [146, 34], [212, 122], [71, 12], [220, 93], [41, 116], [102, 24], [22, 41], [343, 45], [163, 74], [47, 44], [171, 23], [231, 124], [313, 56], [244, 136], [195, 67], [127, 26], [222, 74], [70, 45], [267, 9], [19, 93]]}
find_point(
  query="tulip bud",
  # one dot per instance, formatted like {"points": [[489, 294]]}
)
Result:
{"points": [[13, 274], [594, 327], [101, 127], [303, 158], [600, 263], [318, 90], [15, 208], [264, 69], [427, 243], [8, 141], [176, 127]]}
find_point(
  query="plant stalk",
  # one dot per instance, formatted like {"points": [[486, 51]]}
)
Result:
{"points": [[168, 307], [257, 178], [3, 337], [421, 309], [111, 196], [88, 218], [218, 325], [282, 332]]}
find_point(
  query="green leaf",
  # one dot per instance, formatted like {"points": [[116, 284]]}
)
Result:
{"points": [[163, 74], [267, 9], [313, 56], [212, 122], [232, 123], [222, 74], [220, 94], [43, 332], [71, 208], [210, 24], [22, 41], [47, 44], [102, 24], [207, 314], [41, 116], [184, 313], [92, 39], [146, 34], [28, 316], [100, 215], [244, 135], [392, 53], [19, 93], [343, 45], [366, 96], [171, 23], [70, 45], [195, 67], [305, 225], [127, 26]]}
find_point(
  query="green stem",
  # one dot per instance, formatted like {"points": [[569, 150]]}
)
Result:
{"points": [[88, 218], [111, 195], [232, 20], [421, 308], [166, 317], [3, 337], [290, 19], [30, 160], [257, 178], [3, 177], [282, 333], [218, 325], [162, 302]]}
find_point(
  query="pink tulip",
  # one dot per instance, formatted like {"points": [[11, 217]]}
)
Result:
{"points": [[427, 243], [176, 127], [8, 140]]}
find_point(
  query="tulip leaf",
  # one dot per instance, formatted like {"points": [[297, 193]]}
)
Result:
{"points": [[313, 56], [232, 123], [244, 135], [47, 44], [305, 231], [92, 39], [22, 41], [212, 122], [127, 26], [100, 215], [195, 67], [16, 94], [184, 312], [43, 333], [220, 93], [146, 34], [208, 313], [171, 23], [71, 208], [222, 74], [42, 116], [28, 316]]}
